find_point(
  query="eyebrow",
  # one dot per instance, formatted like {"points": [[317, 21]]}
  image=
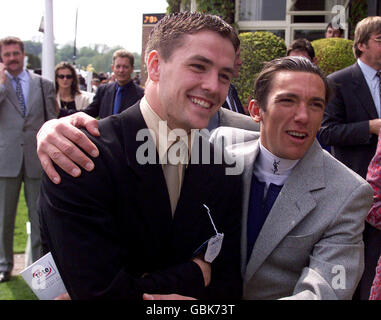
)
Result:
{"points": [[293, 95], [210, 62]]}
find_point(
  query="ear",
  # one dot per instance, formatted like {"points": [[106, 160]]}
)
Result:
{"points": [[153, 65], [314, 60], [254, 110], [362, 46]]}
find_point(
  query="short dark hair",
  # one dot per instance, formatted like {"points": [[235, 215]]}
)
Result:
{"points": [[167, 34], [302, 44], [74, 88], [262, 85], [11, 40], [122, 53]]}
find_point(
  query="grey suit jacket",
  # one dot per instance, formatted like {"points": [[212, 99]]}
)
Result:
{"points": [[230, 118], [18, 134], [310, 246], [227, 118]]}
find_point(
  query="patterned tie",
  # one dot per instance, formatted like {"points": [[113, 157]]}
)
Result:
{"points": [[118, 100], [20, 96]]}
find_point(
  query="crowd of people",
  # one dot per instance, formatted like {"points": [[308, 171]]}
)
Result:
{"points": [[171, 196]]}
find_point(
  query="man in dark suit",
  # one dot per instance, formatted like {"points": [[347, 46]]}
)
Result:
{"points": [[351, 122], [232, 113], [232, 101], [117, 96], [108, 241], [26, 101]]}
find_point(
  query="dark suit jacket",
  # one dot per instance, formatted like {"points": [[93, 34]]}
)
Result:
{"points": [[103, 102], [233, 94], [345, 124], [111, 231]]}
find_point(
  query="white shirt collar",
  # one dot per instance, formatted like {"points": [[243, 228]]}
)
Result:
{"points": [[368, 71], [269, 168], [23, 75]]}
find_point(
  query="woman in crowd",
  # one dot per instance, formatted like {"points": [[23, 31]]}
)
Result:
{"points": [[69, 96], [374, 215]]}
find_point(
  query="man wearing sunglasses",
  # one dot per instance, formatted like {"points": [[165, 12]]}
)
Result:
{"points": [[352, 122], [117, 96], [26, 101]]}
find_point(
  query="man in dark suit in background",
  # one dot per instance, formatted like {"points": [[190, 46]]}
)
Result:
{"points": [[351, 122], [26, 101], [232, 113], [110, 242], [232, 101], [115, 97]]}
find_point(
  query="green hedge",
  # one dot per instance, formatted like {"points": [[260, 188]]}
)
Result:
{"points": [[333, 54], [256, 49]]}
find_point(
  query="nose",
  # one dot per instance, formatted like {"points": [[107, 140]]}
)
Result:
{"points": [[301, 113], [210, 82]]}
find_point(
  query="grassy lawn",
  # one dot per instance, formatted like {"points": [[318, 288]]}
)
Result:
{"points": [[17, 289], [20, 227]]}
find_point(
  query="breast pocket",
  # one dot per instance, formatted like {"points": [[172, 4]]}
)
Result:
{"points": [[302, 241]]}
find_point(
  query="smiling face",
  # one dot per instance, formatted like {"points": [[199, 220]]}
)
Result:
{"points": [[13, 58], [193, 83], [294, 111]]}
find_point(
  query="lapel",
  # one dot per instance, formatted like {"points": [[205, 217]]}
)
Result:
{"points": [[361, 90], [249, 151], [198, 182], [110, 96], [33, 97], [151, 188], [292, 205], [11, 94]]}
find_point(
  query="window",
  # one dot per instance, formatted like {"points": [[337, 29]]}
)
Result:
{"points": [[262, 10], [290, 19]]}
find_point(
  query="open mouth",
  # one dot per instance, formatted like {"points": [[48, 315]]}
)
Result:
{"points": [[297, 135], [201, 103]]}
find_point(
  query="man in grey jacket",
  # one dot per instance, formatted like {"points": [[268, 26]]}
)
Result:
{"points": [[303, 211], [26, 102]]}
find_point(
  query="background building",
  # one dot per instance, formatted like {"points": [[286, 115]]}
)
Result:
{"points": [[291, 19]]}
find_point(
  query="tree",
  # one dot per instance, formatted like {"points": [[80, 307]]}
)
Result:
{"points": [[32, 47], [256, 49]]}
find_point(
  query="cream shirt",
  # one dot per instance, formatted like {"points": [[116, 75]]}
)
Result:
{"points": [[165, 137]]}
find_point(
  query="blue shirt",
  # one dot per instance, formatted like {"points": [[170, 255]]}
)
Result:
{"points": [[25, 81], [373, 83]]}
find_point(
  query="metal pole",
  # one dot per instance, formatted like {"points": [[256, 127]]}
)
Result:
{"points": [[48, 44], [75, 37]]}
